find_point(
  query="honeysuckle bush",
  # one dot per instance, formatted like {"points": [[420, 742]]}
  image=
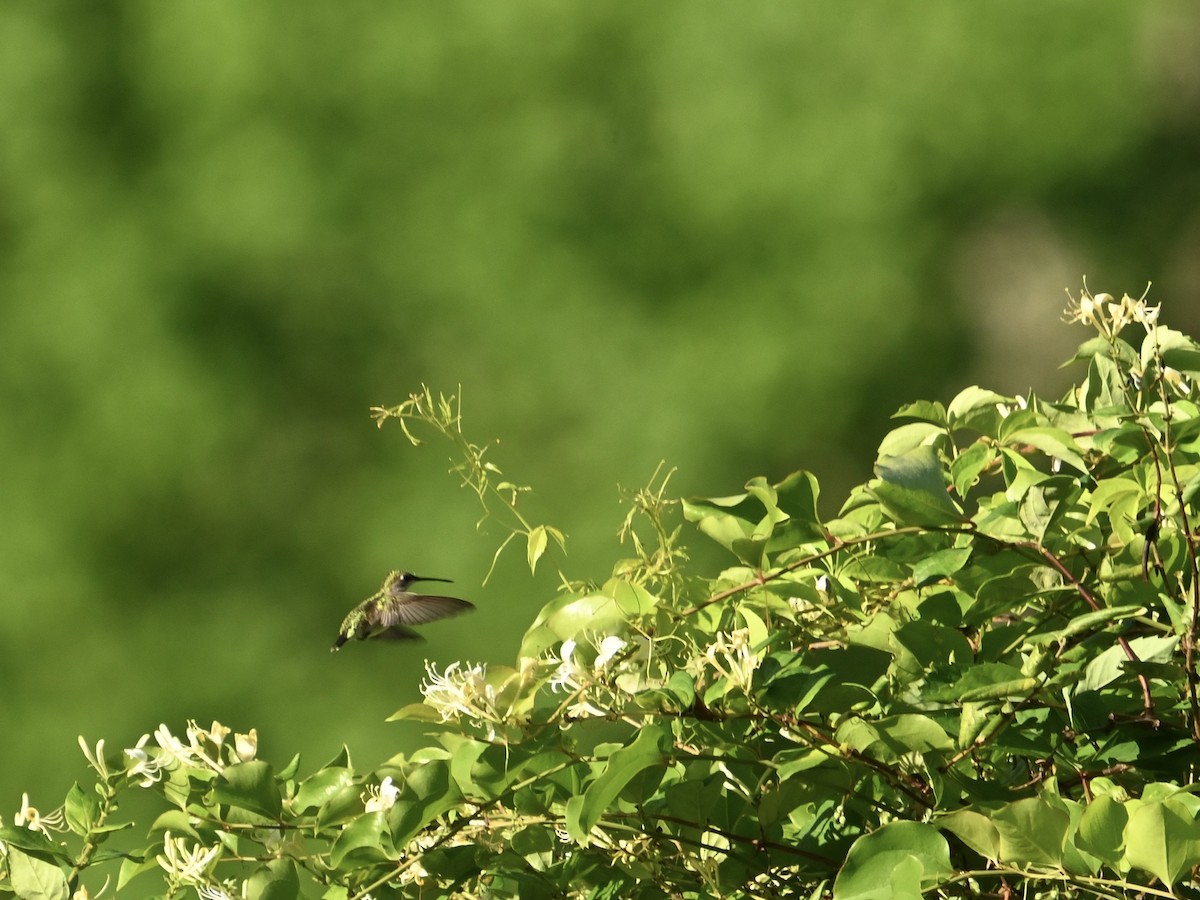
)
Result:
{"points": [[978, 679]]}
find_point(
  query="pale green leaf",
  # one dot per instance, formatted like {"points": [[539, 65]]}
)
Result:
{"points": [[901, 859], [535, 546], [35, 879]]}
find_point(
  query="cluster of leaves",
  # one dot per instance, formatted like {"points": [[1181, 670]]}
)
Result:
{"points": [[978, 679]]}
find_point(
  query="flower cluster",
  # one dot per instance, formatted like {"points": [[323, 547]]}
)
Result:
{"points": [[573, 674], [187, 865], [732, 656], [1109, 316], [462, 692], [204, 749]]}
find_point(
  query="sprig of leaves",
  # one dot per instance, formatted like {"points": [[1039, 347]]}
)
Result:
{"points": [[481, 475]]}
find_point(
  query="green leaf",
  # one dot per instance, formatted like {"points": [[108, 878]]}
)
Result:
{"points": [[1032, 832], [277, 880], [908, 437], [416, 712], [175, 821], [732, 532], [894, 737], [81, 809], [925, 410], [969, 465], [1054, 442], [466, 753], [677, 695], [250, 785], [901, 859], [1102, 829], [648, 748], [1177, 350], [986, 681], [535, 546], [365, 840], [134, 865], [1108, 666], [977, 408], [288, 772], [32, 841], [1113, 490], [341, 761], [797, 497], [932, 644], [939, 564], [1007, 593], [35, 879], [315, 790], [912, 489], [1097, 618], [607, 612], [429, 791], [975, 830], [1163, 838], [343, 804], [1045, 503]]}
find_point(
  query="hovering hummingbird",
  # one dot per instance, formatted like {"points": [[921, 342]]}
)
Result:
{"points": [[389, 611]]}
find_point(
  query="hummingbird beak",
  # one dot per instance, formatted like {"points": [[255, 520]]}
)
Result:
{"points": [[423, 578]]}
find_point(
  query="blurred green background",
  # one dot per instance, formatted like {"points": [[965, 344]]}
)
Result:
{"points": [[734, 238]]}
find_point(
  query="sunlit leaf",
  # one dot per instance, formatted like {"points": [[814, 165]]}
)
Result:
{"points": [[35, 879], [535, 546], [912, 489], [1163, 838], [249, 785], [898, 860], [1032, 831]]}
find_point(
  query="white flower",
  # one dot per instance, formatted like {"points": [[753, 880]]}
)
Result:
{"points": [[95, 759], [246, 745], [584, 709], [192, 753], [82, 893], [145, 769], [609, 647], [187, 865], [732, 656], [29, 817], [566, 676], [462, 692], [1118, 313], [1109, 316], [1146, 315], [1175, 379], [382, 798], [216, 734]]}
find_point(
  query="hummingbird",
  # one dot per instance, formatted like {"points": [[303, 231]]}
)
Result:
{"points": [[388, 612]]}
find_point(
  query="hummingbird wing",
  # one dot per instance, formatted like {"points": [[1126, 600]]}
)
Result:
{"points": [[397, 633], [421, 608]]}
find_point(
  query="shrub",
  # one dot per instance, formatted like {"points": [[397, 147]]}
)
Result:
{"points": [[980, 677]]}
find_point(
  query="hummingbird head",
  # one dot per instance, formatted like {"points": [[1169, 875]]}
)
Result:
{"points": [[399, 581]]}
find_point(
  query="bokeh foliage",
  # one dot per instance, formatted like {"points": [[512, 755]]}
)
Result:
{"points": [[630, 232]]}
